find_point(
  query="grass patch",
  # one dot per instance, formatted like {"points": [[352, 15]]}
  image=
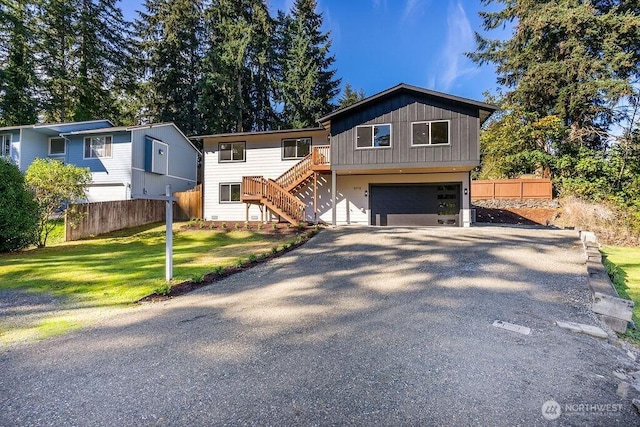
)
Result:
{"points": [[119, 269], [56, 235], [623, 265]]}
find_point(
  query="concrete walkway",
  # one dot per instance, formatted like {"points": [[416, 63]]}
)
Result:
{"points": [[360, 326]]}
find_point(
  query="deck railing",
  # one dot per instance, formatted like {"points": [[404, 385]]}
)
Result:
{"points": [[253, 186], [319, 156], [257, 187], [284, 200]]}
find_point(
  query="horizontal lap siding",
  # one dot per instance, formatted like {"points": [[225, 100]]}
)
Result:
{"points": [[183, 158], [32, 146], [182, 162], [104, 170], [263, 157], [400, 112]]}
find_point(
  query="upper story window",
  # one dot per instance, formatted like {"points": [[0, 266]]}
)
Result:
{"points": [[97, 146], [373, 136], [57, 146], [5, 145], [231, 151], [430, 133], [296, 148]]}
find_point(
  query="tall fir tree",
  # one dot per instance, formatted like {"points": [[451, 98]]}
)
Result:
{"points": [[170, 34], [237, 90], [103, 54], [309, 84], [84, 56], [573, 59], [56, 21], [350, 96], [18, 82]]}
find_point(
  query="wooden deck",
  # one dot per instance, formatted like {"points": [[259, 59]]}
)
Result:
{"points": [[279, 195]]}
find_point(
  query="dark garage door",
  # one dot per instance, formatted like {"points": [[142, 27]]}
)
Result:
{"points": [[415, 204]]}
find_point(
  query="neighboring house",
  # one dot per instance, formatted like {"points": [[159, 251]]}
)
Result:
{"points": [[401, 157], [124, 161]]}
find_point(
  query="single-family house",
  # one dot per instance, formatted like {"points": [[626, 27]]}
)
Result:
{"points": [[124, 160], [401, 157]]}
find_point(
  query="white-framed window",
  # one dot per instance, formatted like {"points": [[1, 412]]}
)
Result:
{"points": [[230, 192], [57, 146], [295, 148], [373, 136], [231, 152], [430, 133], [97, 146], [5, 145]]}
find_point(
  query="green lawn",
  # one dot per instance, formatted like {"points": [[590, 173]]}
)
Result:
{"points": [[623, 265], [119, 269]]}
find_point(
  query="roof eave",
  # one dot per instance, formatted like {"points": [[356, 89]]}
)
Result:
{"points": [[405, 87]]}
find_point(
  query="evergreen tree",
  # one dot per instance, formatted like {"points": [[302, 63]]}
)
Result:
{"points": [[170, 34], [237, 89], [17, 75], [350, 96], [103, 55], [309, 84], [573, 59], [84, 58], [56, 29]]}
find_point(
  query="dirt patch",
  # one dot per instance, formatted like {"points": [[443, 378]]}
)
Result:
{"points": [[521, 216]]}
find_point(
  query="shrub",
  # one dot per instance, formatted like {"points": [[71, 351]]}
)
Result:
{"points": [[197, 278], [253, 258], [274, 250], [163, 290], [69, 186], [18, 210], [217, 270]]}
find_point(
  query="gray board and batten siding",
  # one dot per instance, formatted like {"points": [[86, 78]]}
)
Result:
{"points": [[400, 107]]}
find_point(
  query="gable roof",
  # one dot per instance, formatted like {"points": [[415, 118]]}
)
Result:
{"points": [[485, 109], [133, 128], [56, 128]]}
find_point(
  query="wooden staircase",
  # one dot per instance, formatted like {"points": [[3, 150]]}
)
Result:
{"points": [[279, 195]]}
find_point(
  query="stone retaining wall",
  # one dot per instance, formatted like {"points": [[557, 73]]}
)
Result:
{"points": [[613, 310], [516, 204]]}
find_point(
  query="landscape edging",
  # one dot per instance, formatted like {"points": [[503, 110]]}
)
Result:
{"points": [[614, 311]]}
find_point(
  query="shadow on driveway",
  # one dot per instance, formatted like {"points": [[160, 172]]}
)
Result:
{"points": [[358, 326]]}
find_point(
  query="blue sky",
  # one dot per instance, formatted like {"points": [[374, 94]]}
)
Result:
{"points": [[380, 43]]}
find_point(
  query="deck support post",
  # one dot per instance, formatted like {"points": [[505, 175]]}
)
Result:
{"points": [[334, 182], [246, 209], [315, 198]]}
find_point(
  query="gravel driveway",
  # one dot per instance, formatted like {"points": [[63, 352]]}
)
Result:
{"points": [[359, 326]]}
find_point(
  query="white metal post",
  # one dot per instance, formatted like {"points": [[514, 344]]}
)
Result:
{"points": [[169, 252]]}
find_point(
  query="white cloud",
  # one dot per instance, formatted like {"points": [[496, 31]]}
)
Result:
{"points": [[411, 8], [377, 4], [460, 39]]}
